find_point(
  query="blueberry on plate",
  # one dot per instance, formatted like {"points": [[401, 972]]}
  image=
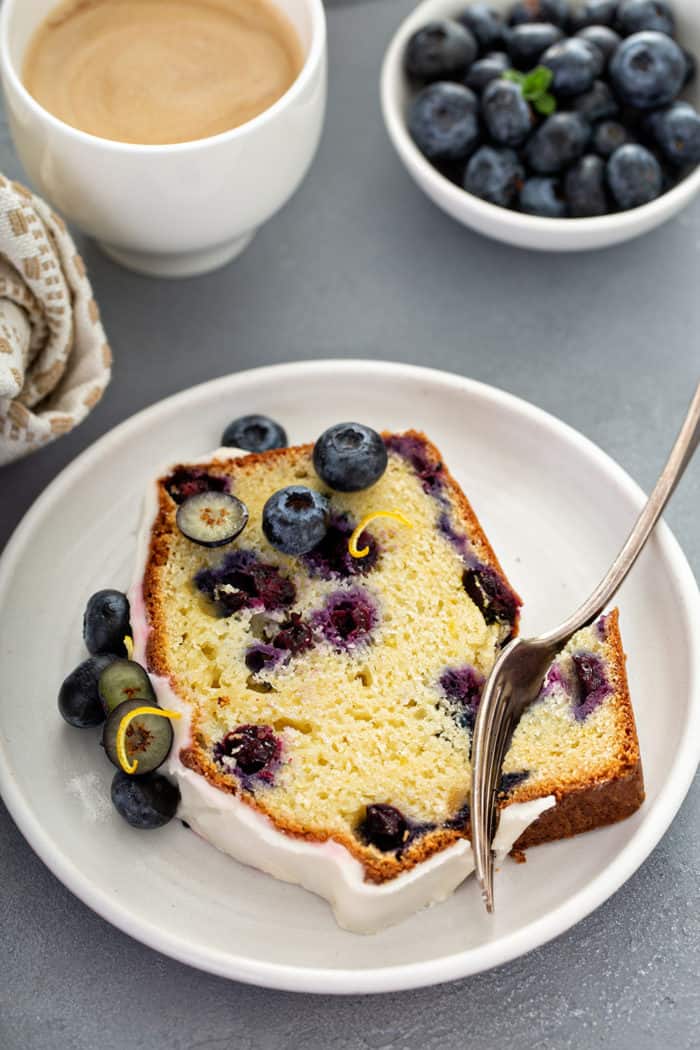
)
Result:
{"points": [[634, 176], [593, 13], [608, 136], [574, 64], [490, 67], [106, 622], [527, 41], [541, 195], [444, 122], [603, 37], [648, 70], [494, 175], [384, 826], [691, 64], [505, 112], [676, 130], [634, 16], [148, 737], [440, 50], [598, 103], [124, 680], [350, 457], [146, 802], [78, 698], [556, 11], [558, 141], [254, 433], [211, 519], [485, 23], [295, 519], [584, 188]]}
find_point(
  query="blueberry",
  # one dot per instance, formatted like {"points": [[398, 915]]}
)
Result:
{"points": [[242, 581], [350, 457], [443, 121], [384, 826], [485, 23], [249, 749], [603, 37], [211, 519], [509, 781], [494, 175], [634, 176], [146, 802], [592, 683], [124, 680], [558, 142], [490, 67], [648, 70], [78, 698], [295, 519], [608, 136], [331, 558], [676, 130], [691, 66], [463, 686], [189, 481], [148, 739], [634, 16], [541, 195], [598, 103], [347, 618], [593, 13], [574, 64], [254, 434], [294, 636], [491, 595], [262, 657], [505, 112], [106, 623], [527, 41], [441, 50], [556, 11], [584, 187]]}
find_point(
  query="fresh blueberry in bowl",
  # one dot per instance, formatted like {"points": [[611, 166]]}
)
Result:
{"points": [[676, 131], [598, 103], [106, 622], [584, 187], [295, 519], [146, 802], [634, 176], [593, 13], [444, 121], [648, 70], [634, 16], [559, 141], [507, 115], [441, 50], [603, 37], [542, 195], [691, 67], [484, 70], [350, 457], [495, 175], [529, 40], [254, 433], [556, 11], [608, 136], [485, 23], [574, 64]]}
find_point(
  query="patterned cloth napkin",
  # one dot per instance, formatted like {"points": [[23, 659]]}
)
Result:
{"points": [[54, 357]]}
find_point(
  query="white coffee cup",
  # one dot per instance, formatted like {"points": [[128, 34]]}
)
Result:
{"points": [[170, 211]]}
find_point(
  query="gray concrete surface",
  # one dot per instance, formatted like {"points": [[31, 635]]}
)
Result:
{"points": [[360, 263]]}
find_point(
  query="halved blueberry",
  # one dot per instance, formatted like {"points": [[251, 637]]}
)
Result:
{"points": [[124, 680], [106, 622], [295, 519], [384, 826], [254, 433], [146, 802], [147, 741], [78, 698], [350, 457], [212, 519]]}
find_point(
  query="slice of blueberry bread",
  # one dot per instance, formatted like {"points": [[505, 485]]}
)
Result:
{"points": [[578, 741], [333, 693]]}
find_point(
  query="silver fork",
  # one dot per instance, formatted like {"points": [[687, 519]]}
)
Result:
{"points": [[517, 675]]}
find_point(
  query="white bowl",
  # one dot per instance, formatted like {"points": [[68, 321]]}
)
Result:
{"points": [[525, 231]]}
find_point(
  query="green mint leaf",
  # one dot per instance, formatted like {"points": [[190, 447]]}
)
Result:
{"points": [[538, 80], [515, 76], [546, 104]]}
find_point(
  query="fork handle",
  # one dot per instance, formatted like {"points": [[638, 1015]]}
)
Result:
{"points": [[681, 454]]}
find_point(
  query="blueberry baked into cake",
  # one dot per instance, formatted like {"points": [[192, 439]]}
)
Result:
{"points": [[321, 619]]}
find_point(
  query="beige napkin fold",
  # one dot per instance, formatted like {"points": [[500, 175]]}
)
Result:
{"points": [[54, 357]]}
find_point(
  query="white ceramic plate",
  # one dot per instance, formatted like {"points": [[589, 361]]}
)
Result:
{"points": [[556, 509]]}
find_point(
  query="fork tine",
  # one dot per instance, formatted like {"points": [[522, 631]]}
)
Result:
{"points": [[485, 732]]}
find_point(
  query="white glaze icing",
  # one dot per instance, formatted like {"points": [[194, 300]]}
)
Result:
{"points": [[249, 836]]}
